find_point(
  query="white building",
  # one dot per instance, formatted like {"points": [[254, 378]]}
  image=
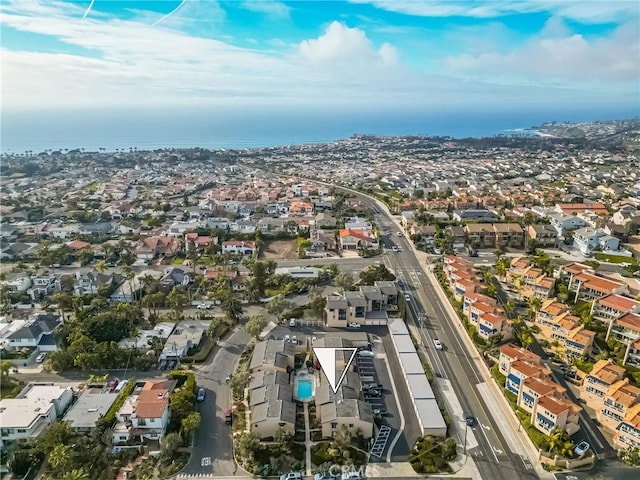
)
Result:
{"points": [[27, 415], [586, 240], [565, 223]]}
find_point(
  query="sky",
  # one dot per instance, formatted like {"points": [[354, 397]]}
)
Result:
{"points": [[359, 55]]}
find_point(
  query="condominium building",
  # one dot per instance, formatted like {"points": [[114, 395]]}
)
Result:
{"points": [[619, 399], [596, 384], [628, 431], [368, 306]]}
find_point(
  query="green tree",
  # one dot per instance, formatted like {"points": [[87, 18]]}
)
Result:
{"points": [[345, 281], [276, 306], [260, 277], [246, 444], [375, 273], [255, 325], [284, 439], [86, 256], [60, 458], [334, 270], [190, 423], [231, 307], [58, 433], [101, 266], [76, 474], [177, 300]]}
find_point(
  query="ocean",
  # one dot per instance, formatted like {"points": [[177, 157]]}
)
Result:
{"points": [[146, 130]]}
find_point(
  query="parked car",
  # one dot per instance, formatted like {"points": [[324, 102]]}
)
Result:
{"points": [[353, 325], [407, 297], [372, 386], [581, 448], [372, 394], [292, 322], [469, 420], [379, 411], [437, 344], [201, 394], [366, 354], [291, 476], [351, 476], [325, 476], [40, 358], [228, 417], [395, 249], [228, 379], [399, 234]]}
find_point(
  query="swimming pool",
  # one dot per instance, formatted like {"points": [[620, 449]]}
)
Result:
{"points": [[304, 388]]}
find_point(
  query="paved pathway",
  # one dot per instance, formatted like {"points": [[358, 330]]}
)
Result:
{"points": [[307, 438]]}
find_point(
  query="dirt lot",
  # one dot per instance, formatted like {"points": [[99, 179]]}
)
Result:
{"points": [[280, 250]]}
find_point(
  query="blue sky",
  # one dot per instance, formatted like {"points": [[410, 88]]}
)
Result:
{"points": [[378, 54]]}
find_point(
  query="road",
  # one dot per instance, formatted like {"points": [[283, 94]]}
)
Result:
{"points": [[492, 455], [213, 447]]}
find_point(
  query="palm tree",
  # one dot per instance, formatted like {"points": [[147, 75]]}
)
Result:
{"points": [[345, 281], [76, 474], [129, 275], [59, 458], [101, 266]]}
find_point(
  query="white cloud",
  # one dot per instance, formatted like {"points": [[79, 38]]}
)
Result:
{"points": [[588, 11], [341, 44], [270, 8], [556, 56]]}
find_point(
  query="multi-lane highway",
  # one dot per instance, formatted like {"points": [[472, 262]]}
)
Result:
{"points": [[491, 451]]}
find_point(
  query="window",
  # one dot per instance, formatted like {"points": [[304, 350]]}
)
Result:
{"points": [[334, 425]]}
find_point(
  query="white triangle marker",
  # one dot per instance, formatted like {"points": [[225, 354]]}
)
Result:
{"points": [[327, 359]]}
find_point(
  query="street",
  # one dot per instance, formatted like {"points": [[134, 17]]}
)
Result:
{"points": [[213, 447]]}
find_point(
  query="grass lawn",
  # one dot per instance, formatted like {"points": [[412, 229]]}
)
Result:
{"points": [[177, 261], [603, 257]]}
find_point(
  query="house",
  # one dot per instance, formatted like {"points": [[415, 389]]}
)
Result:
{"points": [[85, 413], [457, 235], [480, 235], [37, 332], [510, 353], [356, 415], [558, 325], [357, 223], [596, 384], [144, 414], [178, 229], [150, 247], [576, 208], [368, 306], [407, 218], [43, 286], [508, 235], [628, 431], [89, 283], [619, 399], [144, 339], [300, 208], [519, 370], [276, 355], [99, 229], [587, 240], [543, 236], [534, 388], [182, 339], [174, 276], [476, 215], [18, 282], [196, 242], [423, 234], [471, 298], [33, 409], [566, 223], [357, 239], [239, 247], [323, 241]]}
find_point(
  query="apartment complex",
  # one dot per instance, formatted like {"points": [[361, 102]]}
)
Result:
{"points": [[559, 327], [367, 306]]}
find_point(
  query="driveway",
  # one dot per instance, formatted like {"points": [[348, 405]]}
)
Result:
{"points": [[213, 446]]}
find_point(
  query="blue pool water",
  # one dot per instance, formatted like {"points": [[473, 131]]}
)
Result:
{"points": [[304, 388]]}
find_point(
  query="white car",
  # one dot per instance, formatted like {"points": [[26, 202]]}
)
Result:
{"points": [[399, 234], [291, 476], [581, 448], [292, 322], [366, 354], [437, 344], [351, 476], [353, 325], [407, 297], [41, 357]]}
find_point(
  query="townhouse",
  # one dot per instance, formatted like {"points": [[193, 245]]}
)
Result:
{"points": [[528, 379], [619, 399], [156, 246], [367, 306], [480, 235], [532, 282], [558, 325], [596, 384], [611, 307], [628, 431], [543, 236], [354, 413], [587, 285], [508, 235], [625, 329], [273, 355]]}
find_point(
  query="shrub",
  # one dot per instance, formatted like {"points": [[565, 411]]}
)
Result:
{"points": [[110, 417]]}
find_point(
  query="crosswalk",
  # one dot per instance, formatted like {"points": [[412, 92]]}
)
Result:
{"points": [[381, 441]]}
